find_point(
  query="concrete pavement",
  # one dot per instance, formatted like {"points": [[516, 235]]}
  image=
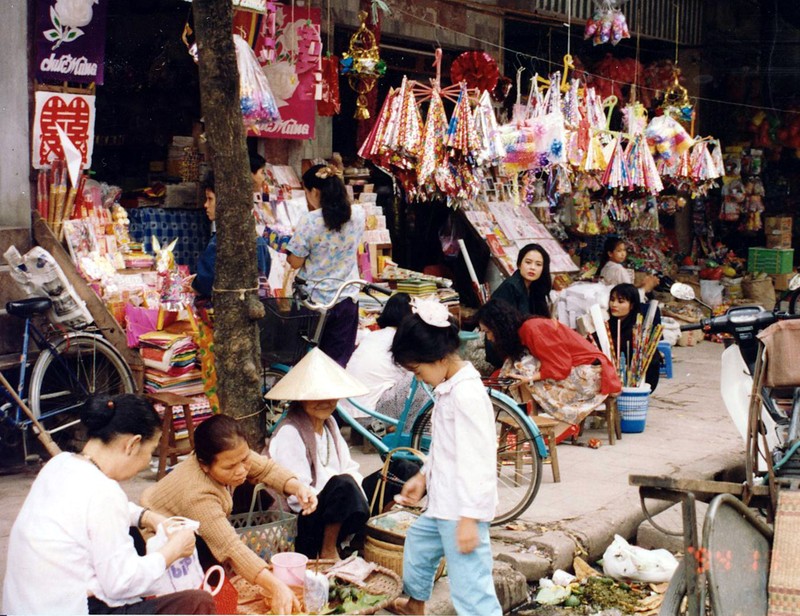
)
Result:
{"points": [[688, 433]]}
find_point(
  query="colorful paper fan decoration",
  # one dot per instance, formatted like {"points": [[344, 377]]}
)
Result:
{"points": [[477, 68]]}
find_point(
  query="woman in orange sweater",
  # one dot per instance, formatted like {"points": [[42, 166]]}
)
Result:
{"points": [[566, 375]]}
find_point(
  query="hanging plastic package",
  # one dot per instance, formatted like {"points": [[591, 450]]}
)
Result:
{"points": [[259, 108]]}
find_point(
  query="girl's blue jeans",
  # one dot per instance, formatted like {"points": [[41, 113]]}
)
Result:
{"points": [[470, 575]]}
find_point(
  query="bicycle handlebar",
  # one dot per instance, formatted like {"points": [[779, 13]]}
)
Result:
{"points": [[303, 296]]}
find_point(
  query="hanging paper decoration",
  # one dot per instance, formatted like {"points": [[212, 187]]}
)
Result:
{"points": [[676, 100], [434, 151], [328, 103], [257, 102], [477, 69], [362, 65], [607, 25]]}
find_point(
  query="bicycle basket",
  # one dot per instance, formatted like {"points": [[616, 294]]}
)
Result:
{"points": [[284, 330], [265, 532]]}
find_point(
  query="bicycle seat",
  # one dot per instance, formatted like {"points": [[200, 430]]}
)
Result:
{"points": [[26, 308]]}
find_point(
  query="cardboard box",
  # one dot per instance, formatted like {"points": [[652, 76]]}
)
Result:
{"points": [[778, 231], [781, 281]]}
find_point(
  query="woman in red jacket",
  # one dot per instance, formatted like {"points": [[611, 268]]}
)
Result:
{"points": [[566, 375]]}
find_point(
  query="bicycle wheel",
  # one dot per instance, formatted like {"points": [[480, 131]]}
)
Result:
{"points": [[273, 409], [84, 365], [519, 466]]}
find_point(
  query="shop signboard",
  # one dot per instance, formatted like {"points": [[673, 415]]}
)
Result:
{"points": [[289, 48], [70, 39], [74, 113]]}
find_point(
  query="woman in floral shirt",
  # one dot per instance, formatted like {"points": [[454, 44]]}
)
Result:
{"points": [[324, 248]]}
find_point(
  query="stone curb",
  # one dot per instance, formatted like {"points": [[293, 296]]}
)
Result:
{"points": [[536, 553]]}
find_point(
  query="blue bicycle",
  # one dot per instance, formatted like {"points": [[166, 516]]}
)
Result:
{"points": [[295, 325], [69, 367]]}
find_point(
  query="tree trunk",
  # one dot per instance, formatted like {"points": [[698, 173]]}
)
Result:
{"points": [[236, 305]]}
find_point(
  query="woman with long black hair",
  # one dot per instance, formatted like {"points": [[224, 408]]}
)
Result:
{"points": [[528, 289], [324, 248]]}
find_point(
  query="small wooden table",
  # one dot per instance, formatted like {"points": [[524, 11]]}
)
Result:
{"points": [[168, 447]]}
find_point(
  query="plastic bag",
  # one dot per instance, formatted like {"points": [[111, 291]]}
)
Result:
{"points": [[259, 108], [623, 560], [184, 573], [38, 274]]}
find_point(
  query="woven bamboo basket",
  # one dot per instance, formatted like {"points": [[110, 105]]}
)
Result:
{"points": [[390, 555], [382, 581]]}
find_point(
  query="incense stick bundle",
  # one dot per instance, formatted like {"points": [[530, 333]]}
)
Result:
{"points": [[42, 199]]}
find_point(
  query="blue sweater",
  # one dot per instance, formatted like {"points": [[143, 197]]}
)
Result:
{"points": [[203, 283]]}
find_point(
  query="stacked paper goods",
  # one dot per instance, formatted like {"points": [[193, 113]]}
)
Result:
{"points": [[170, 361]]}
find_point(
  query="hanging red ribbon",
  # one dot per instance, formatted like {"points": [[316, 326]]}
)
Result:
{"points": [[329, 104]]}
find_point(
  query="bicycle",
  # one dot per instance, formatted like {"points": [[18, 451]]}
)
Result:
{"points": [[520, 448], [70, 367]]}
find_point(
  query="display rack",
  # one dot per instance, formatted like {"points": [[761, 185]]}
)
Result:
{"points": [[105, 321]]}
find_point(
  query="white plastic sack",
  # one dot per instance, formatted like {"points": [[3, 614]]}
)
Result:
{"points": [[672, 330], [622, 560], [184, 573]]}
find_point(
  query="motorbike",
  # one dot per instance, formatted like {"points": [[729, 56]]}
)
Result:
{"points": [[743, 362]]}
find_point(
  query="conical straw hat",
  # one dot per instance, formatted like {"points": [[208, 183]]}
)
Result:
{"points": [[317, 377]]}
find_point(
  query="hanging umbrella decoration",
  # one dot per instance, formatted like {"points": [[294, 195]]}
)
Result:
{"points": [[434, 151], [362, 65]]}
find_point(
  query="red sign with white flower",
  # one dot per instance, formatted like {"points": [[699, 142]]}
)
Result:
{"points": [[289, 48], [74, 113]]}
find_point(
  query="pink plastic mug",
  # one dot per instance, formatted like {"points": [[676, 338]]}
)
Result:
{"points": [[290, 567]]}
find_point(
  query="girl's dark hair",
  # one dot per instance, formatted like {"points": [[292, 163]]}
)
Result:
{"points": [[333, 198], [256, 162], [107, 417], [215, 435], [397, 308], [539, 290], [612, 241], [416, 342], [504, 321], [208, 182], [628, 293]]}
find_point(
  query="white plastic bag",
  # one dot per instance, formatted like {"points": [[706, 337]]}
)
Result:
{"points": [[184, 573], [623, 560]]}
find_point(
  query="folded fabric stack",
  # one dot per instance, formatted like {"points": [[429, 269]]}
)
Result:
{"points": [[170, 361]]}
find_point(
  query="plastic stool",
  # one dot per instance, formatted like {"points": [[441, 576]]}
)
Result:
{"points": [[665, 348]]}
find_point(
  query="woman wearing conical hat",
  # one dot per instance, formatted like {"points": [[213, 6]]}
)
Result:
{"points": [[308, 443]]}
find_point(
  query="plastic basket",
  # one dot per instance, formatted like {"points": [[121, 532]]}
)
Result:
{"points": [[770, 260], [265, 532], [632, 405], [284, 330]]}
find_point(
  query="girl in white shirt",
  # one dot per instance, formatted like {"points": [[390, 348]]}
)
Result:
{"points": [[70, 551], [459, 475]]}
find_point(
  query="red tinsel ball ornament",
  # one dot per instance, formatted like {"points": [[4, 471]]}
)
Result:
{"points": [[477, 68]]}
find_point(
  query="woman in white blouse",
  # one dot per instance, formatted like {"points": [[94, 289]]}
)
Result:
{"points": [[308, 443], [70, 551]]}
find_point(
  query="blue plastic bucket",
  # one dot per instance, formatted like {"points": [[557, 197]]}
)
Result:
{"points": [[632, 405]]}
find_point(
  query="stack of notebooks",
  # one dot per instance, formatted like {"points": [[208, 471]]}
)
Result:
{"points": [[416, 286], [170, 361]]}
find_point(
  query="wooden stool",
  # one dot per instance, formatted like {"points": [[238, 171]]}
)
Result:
{"points": [[168, 447], [547, 426], [610, 413]]}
